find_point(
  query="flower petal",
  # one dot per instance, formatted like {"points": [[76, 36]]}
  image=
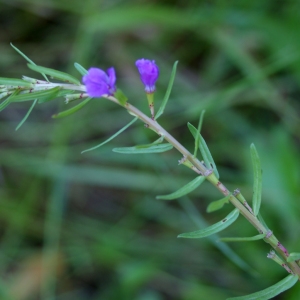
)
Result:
{"points": [[111, 79], [98, 83], [149, 73], [95, 75]]}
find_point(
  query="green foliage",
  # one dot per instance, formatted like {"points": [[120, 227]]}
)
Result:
{"points": [[272, 291], [188, 188], [72, 110], [257, 182], [198, 135], [244, 239], [239, 61], [42, 96], [156, 148], [54, 73], [217, 227], [80, 69], [15, 82], [261, 219], [112, 137], [27, 114], [207, 157], [168, 92], [158, 141], [35, 101], [27, 58], [293, 256], [8, 100], [120, 97], [215, 205]]}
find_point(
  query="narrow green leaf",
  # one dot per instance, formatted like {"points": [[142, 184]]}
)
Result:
{"points": [[22, 54], [136, 150], [272, 291], [199, 130], [59, 93], [43, 95], [5, 103], [257, 183], [261, 219], [27, 114], [72, 110], [15, 82], [70, 97], [215, 205], [64, 92], [158, 141], [112, 137], [184, 190], [27, 58], [54, 73], [243, 239], [207, 157], [120, 97], [8, 100], [80, 69], [4, 94], [168, 92], [213, 228], [293, 256]]}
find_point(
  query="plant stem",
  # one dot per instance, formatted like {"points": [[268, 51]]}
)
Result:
{"points": [[65, 86], [211, 177]]}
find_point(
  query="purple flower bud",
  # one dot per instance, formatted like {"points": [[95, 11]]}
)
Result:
{"points": [[98, 83], [149, 72]]}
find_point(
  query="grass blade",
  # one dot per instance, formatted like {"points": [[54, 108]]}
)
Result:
{"points": [[244, 239], [207, 157], [257, 182], [54, 73], [27, 114], [28, 59], [112, 137], [272, 291], [138, 150], [213, 228], [80, 69], [168, 92], [72, 110], [184, 190]]}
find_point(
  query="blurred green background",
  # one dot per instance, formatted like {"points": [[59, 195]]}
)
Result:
{"points": [[88, 226]]}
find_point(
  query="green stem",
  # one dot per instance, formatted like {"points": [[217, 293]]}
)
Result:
{"points": [[211, 177]]}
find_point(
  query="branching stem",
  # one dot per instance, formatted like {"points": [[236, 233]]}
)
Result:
{"points": [[237, 200], [211, 177]]}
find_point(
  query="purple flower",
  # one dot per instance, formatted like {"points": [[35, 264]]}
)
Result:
{"points": [[149, 72], [98, 83]]}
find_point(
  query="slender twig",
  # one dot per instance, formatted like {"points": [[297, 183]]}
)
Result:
{"points": [[235, 198], [211, 177]]}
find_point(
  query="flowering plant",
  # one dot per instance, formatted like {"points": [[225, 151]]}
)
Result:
{"points": [[98, 83]]}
